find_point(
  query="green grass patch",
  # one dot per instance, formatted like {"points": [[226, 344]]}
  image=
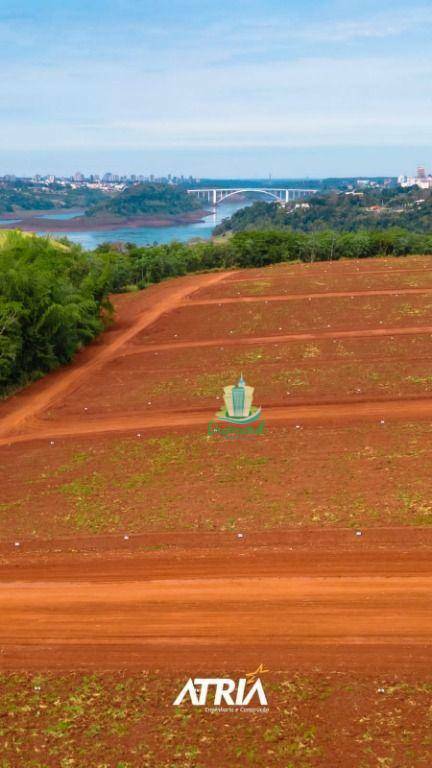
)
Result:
{"points": [[89, 512]]}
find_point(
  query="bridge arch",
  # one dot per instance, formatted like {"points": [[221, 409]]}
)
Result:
{"points": [[225, 194], [217, 195]]}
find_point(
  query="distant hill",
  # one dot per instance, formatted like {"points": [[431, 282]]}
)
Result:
{"points": [[17, 196], [146, 199], [371, 209]]}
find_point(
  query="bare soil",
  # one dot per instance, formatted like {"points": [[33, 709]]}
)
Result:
{"points": [[134, 541], [340, 613]]}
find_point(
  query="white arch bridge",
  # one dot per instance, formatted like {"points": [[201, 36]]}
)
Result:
{"points": [[282, 195]]}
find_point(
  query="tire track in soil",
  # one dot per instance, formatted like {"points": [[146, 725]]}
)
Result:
{"points": [[177, 620], [252, 340], [305, 296], [299, 415]]}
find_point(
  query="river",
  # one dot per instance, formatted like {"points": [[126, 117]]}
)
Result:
{"points": [[150, 235]]}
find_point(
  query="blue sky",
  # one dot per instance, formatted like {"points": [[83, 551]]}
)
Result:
{"points": [[226, 88]]}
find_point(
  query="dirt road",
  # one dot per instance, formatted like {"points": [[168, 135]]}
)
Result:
{"points": [[171, 295], [176, 615], [229, 341], [303, 296], [298, 415]]}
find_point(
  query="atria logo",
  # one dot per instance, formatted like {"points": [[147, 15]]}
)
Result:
{"points": [[223, 691]]}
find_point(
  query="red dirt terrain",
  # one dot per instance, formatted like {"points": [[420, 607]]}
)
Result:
{"points": [[335, 611], [132, 538]]}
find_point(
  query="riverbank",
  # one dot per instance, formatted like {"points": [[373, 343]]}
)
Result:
{"points": [[36, 212], [91, 238], [42, 222]]}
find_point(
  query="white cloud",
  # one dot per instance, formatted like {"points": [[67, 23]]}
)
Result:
{"points": [[272, 86]]}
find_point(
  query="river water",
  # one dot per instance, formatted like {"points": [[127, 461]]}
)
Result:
{"points": [[150, 235]]}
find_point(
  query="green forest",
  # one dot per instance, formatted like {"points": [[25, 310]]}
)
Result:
{"points": [[348, 211], [19, 196], [54, 297], [147, 199], [136, 200]]}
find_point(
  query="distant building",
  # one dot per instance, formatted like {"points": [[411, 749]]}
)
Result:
{"points": [[366, 183], [421, 180]]}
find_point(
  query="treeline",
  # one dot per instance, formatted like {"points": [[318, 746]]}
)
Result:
{"points": [[138, 267], [54, 296], [51, 300], [344, 211]]}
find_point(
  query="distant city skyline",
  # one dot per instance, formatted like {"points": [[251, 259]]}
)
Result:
{"points": [[379, 162], [240, 89], [108, 177]]}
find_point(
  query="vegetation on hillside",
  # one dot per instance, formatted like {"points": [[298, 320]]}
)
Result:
{"points": [[147, 199], [50, 305], [52, 294], [19, 196], [347, 211], [135, 266]]}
